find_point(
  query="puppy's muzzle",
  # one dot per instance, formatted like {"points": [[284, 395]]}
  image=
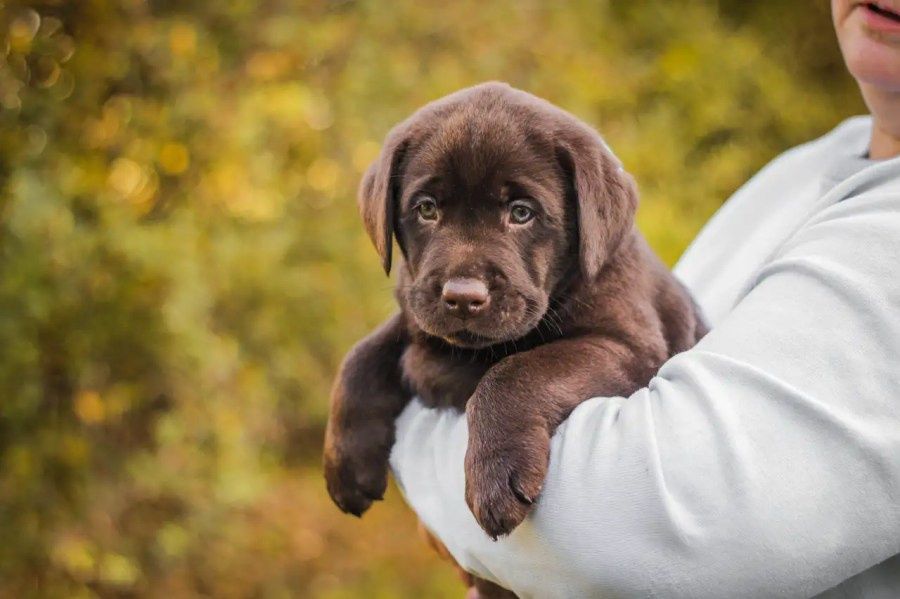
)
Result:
{"points": [[465, 297]]}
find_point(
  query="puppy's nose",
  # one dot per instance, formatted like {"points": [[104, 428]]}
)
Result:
{"points": [[465, 297]]}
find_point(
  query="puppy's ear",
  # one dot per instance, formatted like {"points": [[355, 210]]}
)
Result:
{"points": [[605, 195], [377, 195]]}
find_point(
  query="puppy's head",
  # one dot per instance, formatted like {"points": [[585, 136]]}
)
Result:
{"points": [[494, 197]]}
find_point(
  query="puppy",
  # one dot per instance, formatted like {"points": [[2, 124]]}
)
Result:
{"points": [[524, 290]]}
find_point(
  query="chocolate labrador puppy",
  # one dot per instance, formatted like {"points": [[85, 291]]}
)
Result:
{"points": [[525, 289]]}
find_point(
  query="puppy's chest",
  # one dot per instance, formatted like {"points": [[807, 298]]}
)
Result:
{"points": [[442, 378]]}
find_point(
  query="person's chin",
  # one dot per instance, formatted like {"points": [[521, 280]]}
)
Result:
{"points": [[873, 58], [875, 66], [871, 71]]}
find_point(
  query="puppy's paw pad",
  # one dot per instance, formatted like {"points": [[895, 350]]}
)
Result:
{"points": [[353, 487], [501, 491]]}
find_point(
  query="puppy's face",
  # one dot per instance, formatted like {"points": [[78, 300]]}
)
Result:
{"points": [[485, 228], [494, 197]]}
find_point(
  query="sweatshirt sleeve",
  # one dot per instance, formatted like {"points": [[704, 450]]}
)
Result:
{"points": [[765, 461]]}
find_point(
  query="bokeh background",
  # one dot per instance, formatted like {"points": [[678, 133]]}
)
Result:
{"points": [[182, 266]]}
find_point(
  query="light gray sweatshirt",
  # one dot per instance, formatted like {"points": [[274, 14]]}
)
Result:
{"points": [[763, 462]]}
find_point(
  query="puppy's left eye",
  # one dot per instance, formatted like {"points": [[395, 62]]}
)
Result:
{"points": [[427, 208], [520, 213]]}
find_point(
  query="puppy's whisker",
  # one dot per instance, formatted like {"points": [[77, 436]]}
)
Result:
{"points": [[567, 298], [555, 319]]}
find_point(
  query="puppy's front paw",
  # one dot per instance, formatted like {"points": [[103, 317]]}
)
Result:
{"points": [[504, 476], [356, 475]]}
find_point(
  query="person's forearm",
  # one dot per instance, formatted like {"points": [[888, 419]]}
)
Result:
{"points": [[647, 494]]}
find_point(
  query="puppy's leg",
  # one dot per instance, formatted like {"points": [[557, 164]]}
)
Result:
{"points": [[478, 587], [367, 397], [485, 589], [444, 554], [518, 406]]}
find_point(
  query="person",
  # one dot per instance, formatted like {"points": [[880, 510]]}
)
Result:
{"points": [[765, 461]]}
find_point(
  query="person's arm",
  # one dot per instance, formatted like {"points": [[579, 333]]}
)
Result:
{"points": [[763, 462]]}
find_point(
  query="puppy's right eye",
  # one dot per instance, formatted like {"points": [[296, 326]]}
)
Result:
{"points": [[427, 208]]}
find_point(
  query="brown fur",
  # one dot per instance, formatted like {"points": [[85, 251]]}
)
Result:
{"points": [[578, 305]]}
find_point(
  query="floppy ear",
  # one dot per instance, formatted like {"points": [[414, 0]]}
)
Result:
{"points": [[377, 196], [605, 196]]}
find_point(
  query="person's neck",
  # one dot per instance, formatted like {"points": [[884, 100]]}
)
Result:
{"points": [[883, 144], [885, 109]]}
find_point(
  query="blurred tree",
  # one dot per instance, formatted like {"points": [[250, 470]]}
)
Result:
{"points": [[181, 265]]}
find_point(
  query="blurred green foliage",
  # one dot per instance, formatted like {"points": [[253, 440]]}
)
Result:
{"points": [[181, 266]]}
